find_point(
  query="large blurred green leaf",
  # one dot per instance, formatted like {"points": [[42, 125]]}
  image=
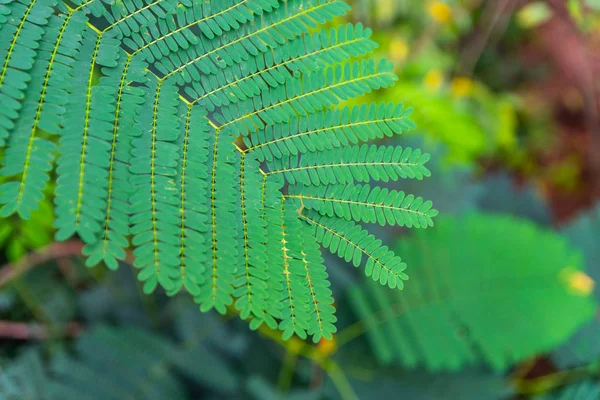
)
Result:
{"points": [[483, 289], [584, 347]]}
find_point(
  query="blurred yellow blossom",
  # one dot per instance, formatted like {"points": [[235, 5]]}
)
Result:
{"points": [[440, 12], [434, 79], [398, 49], [534, 14], [327, 347], [462, 86], [578, 282]]}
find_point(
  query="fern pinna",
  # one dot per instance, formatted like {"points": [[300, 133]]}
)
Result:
{"points": [[215, 138]]}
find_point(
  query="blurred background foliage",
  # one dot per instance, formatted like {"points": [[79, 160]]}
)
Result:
{"points": [[501, 301]]}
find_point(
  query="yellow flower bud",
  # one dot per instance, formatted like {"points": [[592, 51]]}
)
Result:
{"points": [[398, 49], [578, 282], [440, 12], [434, 79], [462, 86], [327, 347]]}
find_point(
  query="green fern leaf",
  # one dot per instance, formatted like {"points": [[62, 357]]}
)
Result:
{"points": [[322, 319], [193, 181], [235, 46], [85, 148], [19, 38], [352, 243], [364, 204], [111, 241], [313, 92], [352, 164], [251, 284], [28, 157], [273, 215], [223, 255], [128, 23], [304, 54], [183, 126], [154, 199], [295, 299], [173, 30], [329, 129]]}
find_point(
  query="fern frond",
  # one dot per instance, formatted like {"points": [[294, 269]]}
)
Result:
{"points": [[322, 319], [55, 88], [362, 203], [287, 270], [352, 243], [55, 84], [304, 54], [193, 181], [274, 219], [28, 157], [19, 39], [119, 115], [251, 284], [154, 200], [326, 130], [85, 149], [223, 255], [310, 93], [153, 101], [173, 31], [352, 164], [48, 116], [296, 299], [130, 16], [276, 27]]}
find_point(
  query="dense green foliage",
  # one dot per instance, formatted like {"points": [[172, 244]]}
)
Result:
{"points": [[248, 152], [104, 357], [179, 125]]}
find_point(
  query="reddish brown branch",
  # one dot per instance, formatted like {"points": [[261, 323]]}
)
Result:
{"points": [[34, 331], [54, 251]]}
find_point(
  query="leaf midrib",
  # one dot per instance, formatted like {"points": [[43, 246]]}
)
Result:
{"points": [[352, 164], [325, 128], [359, 203]]}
